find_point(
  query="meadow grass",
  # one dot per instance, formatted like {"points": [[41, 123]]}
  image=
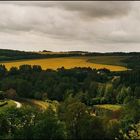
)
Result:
{"points": [[34, 103], [109, 107], [11, 103], [66, 62], [42, 105], [108, 60]]}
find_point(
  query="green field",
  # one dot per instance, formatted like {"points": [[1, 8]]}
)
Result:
{"points": [[10, 104], [71, 62], [108, 60], [113, 111], [110, 107]]}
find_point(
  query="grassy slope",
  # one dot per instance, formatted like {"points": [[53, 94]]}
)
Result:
{"points": [[67, 62], [42, 105], [110, 107], [108, 60], [10, 104], [111, 110]]}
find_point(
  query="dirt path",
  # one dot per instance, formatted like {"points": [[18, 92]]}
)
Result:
{"points": [[35, 103], [18, 104], [38, 103]]}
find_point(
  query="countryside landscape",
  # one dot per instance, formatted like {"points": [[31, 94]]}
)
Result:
{"points": [[63, 78]]}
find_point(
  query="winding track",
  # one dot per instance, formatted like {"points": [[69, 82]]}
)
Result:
{"points": [[34, 103], [18, 104]]}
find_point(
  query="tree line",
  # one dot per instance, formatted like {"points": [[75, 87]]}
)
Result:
{"points": [[91, 86]]}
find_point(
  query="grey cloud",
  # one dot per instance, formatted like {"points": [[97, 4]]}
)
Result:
{"points": [[98, 9], [65, 24], [93, 9], [51, 21]]}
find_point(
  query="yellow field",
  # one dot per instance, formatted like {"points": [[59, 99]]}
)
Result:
{"points": [[67, 62]]}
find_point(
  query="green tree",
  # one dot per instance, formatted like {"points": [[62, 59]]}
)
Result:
{"points": [[3, 70], [25, 69], [2, 95], [130, 117], [132, 111], [93, 88], [11, 93], [122, 95], [50, 127], [137, 92], [37, 68], [72, 112], [92, 128], [13, 71], [4, 125], [135, 132], [112, 129], [110, 94], [80, 124], [17, 123], [24, 88], [38, 95]]}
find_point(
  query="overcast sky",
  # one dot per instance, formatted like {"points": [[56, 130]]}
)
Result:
{"points": [[64, 26]]}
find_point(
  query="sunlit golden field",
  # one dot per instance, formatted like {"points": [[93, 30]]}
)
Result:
{"points": [[110, 107], [67, 62]]}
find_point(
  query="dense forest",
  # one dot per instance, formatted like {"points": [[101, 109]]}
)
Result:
{"points": [[77, 91], [133, 62]]}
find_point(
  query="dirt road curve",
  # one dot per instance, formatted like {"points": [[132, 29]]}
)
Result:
{"points": [[18, 104]]}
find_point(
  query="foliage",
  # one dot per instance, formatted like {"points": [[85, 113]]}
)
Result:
{"points": [[26, 123], [130, 118], [75, 90]]}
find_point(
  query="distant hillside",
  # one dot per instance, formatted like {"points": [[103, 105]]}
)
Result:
{"points": [[9, 55], [133, 61]]}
